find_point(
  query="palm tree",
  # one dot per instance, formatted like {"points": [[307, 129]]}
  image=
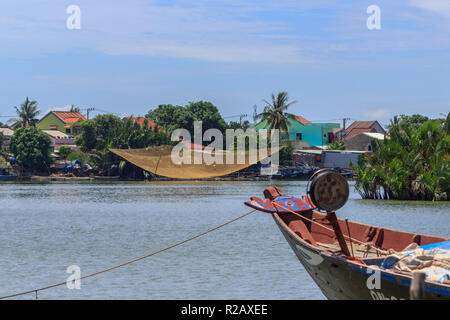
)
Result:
{"points": [[413, 164], [275, 113], [27, 114]]}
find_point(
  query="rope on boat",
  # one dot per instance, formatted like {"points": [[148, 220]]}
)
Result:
{"points": [[367, 244], [130, 261]]}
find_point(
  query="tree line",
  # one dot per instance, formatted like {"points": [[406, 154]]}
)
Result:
{"points": [[412, 163], [31, 147]]}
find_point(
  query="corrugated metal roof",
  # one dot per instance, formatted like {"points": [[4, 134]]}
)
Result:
{"points": [[375, 135], [7, 132], [309, 151], [312, 151]]}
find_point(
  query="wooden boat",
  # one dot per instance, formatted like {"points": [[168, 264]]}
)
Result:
{"points": [[339, 275], [8, 177]]}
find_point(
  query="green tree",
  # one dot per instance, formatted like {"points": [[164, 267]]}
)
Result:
{"points": [[27, 113], [207, 113], [32, 148], [287, 153], [413, 122], [168, 116], [64, 151], [336, 146], [77, 155], [99, 133], [108, 131], [87, 140], [236, 125], [412, 164], [176, 117], [275, 113]]}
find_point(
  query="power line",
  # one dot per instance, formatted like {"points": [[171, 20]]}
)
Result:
{"points": [[238, 115]]}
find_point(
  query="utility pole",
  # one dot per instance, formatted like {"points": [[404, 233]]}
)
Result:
{"points": [[87, 113], [240, 118], [344, 120]]}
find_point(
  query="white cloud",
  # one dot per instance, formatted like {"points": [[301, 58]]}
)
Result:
{"points": [[206, 30], [216, 30], [379, 114], [441, 7]]}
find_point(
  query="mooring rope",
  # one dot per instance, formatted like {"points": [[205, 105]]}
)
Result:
{"points": [[130, 261]]}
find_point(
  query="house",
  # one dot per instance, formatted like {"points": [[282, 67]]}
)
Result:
{"points": [[358, 127], [7, 134], [59, 139], [363, 141], [304, 134], [66, 122]]}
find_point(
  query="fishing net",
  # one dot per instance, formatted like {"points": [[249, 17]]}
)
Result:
{"points": [[158, 160]]}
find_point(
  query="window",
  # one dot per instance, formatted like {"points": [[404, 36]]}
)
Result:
{"points": [[299, 136], [68, 130]]}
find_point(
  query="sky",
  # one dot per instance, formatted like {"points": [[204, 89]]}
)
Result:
{"points": [[130, 56]]}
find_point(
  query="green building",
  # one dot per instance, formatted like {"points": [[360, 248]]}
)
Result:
{"points": [[64, 121], [304, 134]]}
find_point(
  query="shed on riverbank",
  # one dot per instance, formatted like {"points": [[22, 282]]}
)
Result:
{"points": [[328, 158]]}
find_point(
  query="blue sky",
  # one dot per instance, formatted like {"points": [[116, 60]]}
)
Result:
{"points": [[130, 56]]}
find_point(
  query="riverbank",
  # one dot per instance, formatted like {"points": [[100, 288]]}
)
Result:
{"points": [[49, 179]]}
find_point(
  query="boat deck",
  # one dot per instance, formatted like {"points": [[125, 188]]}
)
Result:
{"points": [[359, 250]]}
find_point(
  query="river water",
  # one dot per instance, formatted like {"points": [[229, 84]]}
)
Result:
{"points": [[44, 228]]}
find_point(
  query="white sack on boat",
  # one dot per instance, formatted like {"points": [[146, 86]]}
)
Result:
{"points": [[435, 263]]}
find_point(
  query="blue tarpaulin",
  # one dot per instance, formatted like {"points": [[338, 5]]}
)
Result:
{"points": [[440, 245]]}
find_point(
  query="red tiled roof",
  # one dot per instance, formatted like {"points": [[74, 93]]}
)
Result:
{"points": [[354, 132], [302, 120], [360, 125], [140, 121], [69, 117]]}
